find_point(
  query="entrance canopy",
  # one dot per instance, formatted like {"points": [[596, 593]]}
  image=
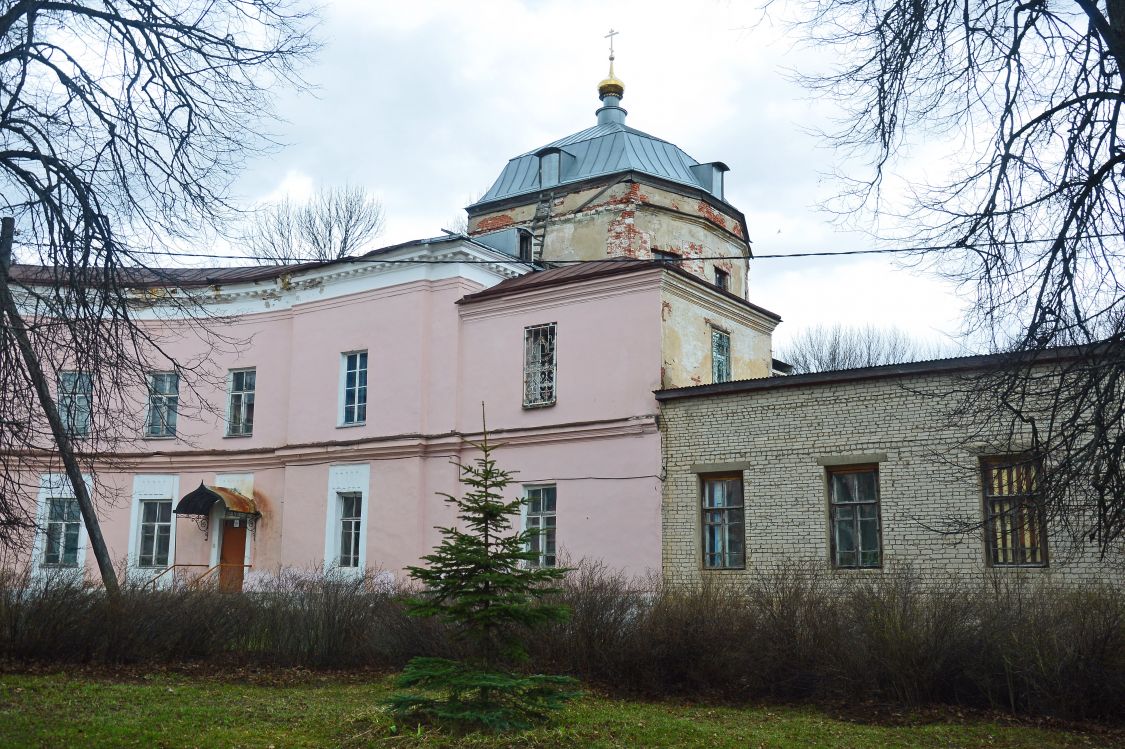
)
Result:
{"points": [[199, 502]]}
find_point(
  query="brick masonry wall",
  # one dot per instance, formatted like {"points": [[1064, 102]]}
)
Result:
{"points": [[929, 477]]}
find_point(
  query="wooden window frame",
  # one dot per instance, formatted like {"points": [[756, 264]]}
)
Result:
{"points": [[833, 511], [1025, 500], [545, 522], [245, 405], [728, 562]]}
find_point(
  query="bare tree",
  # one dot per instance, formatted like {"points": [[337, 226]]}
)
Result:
{"points": [[121, 127], [1032, 220], [334, 223], [823, 348]]}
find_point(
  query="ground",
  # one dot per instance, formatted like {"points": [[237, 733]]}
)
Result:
{"points": [[299, 709]]}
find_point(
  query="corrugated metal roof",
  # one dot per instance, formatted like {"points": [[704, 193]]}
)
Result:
{"points": [[600, 150]]}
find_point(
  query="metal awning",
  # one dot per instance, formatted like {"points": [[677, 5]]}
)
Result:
{"points": [[199, 502]]}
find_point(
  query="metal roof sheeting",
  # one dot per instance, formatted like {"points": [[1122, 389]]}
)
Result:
{"points": [[603, 149]]}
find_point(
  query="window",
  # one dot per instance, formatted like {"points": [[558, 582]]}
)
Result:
{"points": [[539, 366], [64, 522], [155, 533], [854, 510], [541, 517], [1016, 528], [240, 415], [525, 246], [722, 279], [720, 356], [163, 398], [351, 520], [724, 534], [355, 388], [75, 391], [664, 256]]}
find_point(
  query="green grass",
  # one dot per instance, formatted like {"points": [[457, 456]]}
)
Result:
{"points": [[178, 710]]}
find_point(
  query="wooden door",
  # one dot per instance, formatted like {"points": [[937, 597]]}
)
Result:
{"points": [[232, 555]]}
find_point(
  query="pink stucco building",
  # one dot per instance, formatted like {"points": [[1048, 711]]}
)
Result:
{"points": [[326, 401]]}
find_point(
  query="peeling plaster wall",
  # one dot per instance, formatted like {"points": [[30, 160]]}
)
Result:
{"points": [[630, 219], [688, 315]]}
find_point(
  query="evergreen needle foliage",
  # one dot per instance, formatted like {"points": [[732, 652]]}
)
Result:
{"points": [[481, 578]]}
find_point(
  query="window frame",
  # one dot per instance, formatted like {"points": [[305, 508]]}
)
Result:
{"points": [[716, 335], [726, 524], [352, 525], [57, 486], [667, 257], [157, 525], [168, 404], [243, 403], [991, 552], [65, 537], [69, 397], [722, 279], [833, 505], [342, 413], [548, 550], [531, 367]]}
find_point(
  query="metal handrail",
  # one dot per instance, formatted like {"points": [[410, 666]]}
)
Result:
{"points": [[199, 580], [168, 569]]}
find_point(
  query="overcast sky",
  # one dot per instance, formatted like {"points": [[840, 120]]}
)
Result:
{"points": [[424, 102]]}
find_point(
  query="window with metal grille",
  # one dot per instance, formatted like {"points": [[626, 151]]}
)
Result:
{"points": [[355, 388], [240, 414], [720, 356], [351, 509], [156, 532], [163, 400], [64, 522], [541, 517], [1015, 526], [854, 510], [539, 366], [75, 394], [724, 529]]}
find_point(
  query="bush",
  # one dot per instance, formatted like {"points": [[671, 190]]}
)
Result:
{"points": [[1017, 642]]}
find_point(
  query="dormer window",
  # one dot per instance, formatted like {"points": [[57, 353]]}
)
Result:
{"points": [[722, 279], [525, 246], [549, 169]]}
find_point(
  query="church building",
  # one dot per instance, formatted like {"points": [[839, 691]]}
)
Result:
{"points": [[319, 432]]}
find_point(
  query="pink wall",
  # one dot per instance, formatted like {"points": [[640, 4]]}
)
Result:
{"points": [[431, 363]]}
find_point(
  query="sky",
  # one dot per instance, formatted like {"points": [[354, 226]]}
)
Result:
{"points": [[423, 103]]}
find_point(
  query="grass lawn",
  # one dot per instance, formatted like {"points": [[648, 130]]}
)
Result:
{"points": [[302, 710]]}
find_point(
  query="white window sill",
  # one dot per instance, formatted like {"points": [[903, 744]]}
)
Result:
{"points": [[237, 436], [530, 406], [352, 424], [159, 437]]}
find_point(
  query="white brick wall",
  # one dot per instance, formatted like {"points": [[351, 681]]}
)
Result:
{"points": [[928, 476]]}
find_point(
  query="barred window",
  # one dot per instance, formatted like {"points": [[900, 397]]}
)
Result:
{"points": [[854, 500], [75, 394], [351, 509], [240, 414], [355, 388], [163, 400], [1015, 525], [156, 532], [541, 517], [539, 366], [724, 530], [720, 355], [64, 521]]}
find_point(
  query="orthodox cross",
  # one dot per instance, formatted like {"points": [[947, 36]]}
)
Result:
{"points": [[610, 36]]}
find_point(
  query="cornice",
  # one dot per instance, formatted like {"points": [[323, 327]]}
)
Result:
{"points": [[389, 447], [693, 293], [562, 294]]}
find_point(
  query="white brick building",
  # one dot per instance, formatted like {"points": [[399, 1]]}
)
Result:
{"points": [[852, 471]]}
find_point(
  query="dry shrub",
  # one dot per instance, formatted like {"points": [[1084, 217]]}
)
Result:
{"points": [[1015, 641]]}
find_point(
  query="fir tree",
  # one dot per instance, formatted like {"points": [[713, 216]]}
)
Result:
{"points": [[482, 579]]}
